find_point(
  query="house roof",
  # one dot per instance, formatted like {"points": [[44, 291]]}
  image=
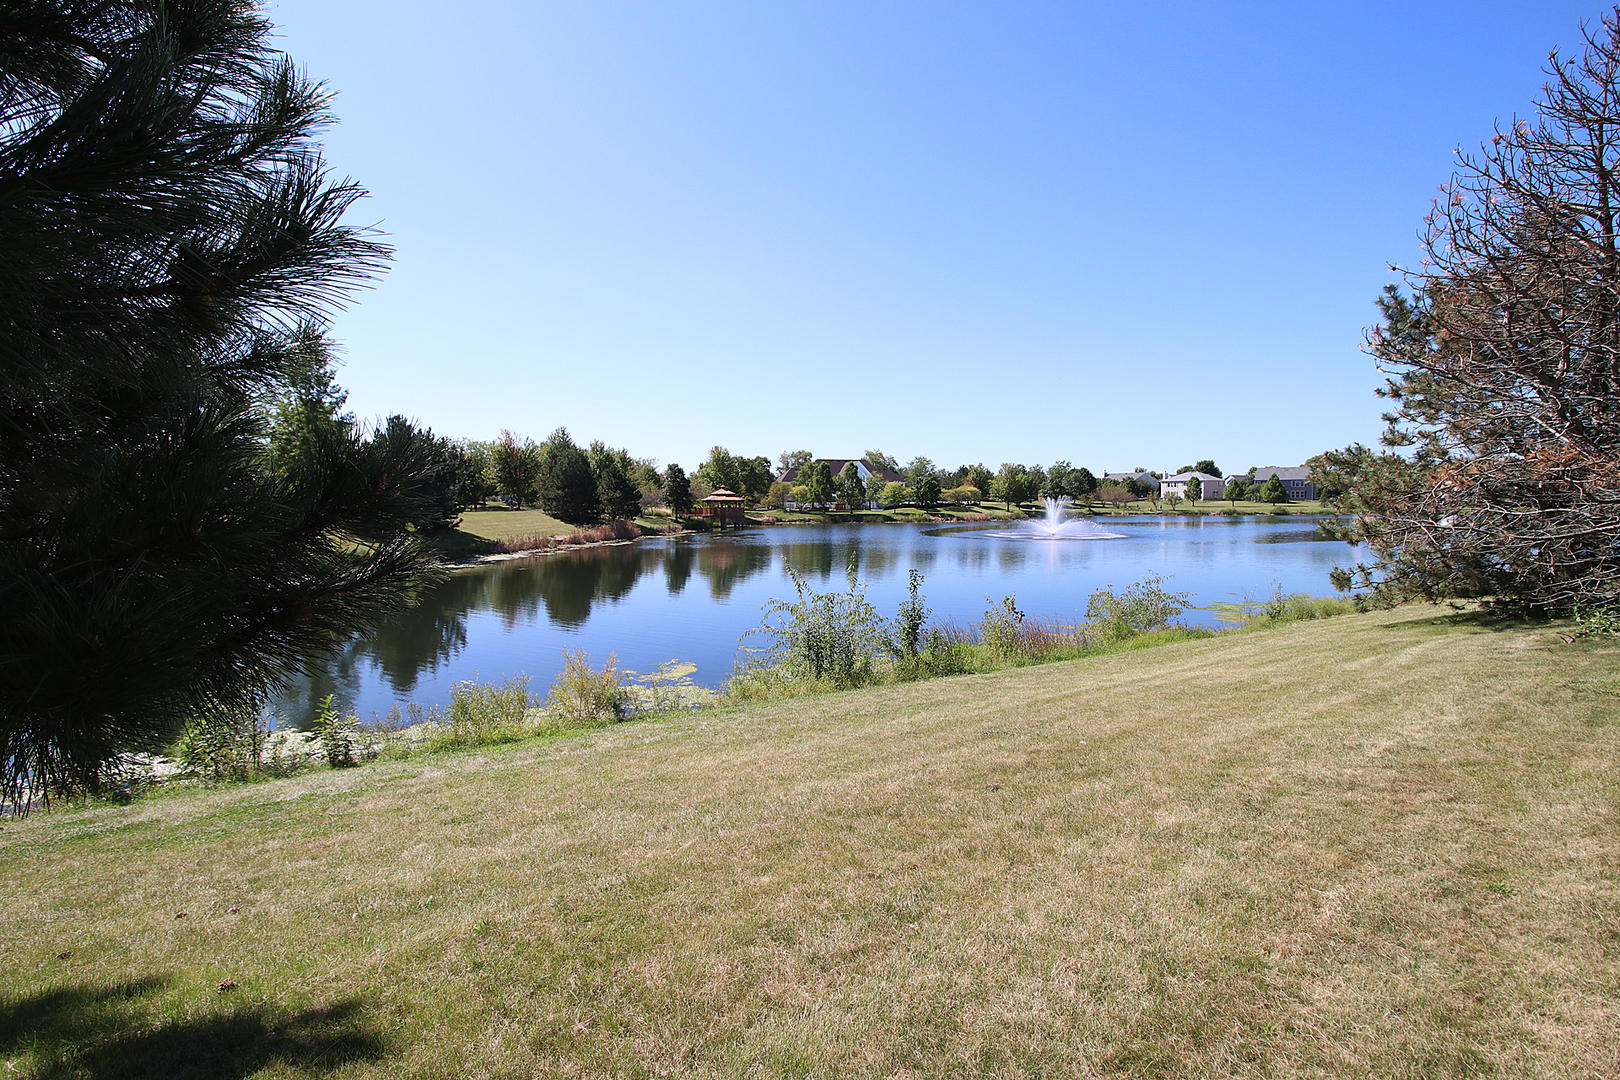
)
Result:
{"points": [[1287, 472], [1149, 477], [1182, 478], [836, 466]]}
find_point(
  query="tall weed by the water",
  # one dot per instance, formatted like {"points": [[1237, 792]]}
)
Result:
{"points": [[234, 747], [582, 694], [1139, 608], [833, 638], [1282, 608], [339, 735], [1011, 637], [482, 714]]}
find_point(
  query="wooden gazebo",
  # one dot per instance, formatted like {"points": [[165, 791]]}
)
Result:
{"points": [[722, 506]]}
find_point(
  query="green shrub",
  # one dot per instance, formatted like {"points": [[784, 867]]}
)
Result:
{"points": [[238, 747], [1299, 607], [1000, 627], [582, 694], [945, 651], [338, 735], [481, 714], [1284, 608], [832, 637], [1597, 619], [1146, 605]]}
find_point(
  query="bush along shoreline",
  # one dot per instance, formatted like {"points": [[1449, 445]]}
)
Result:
{"points": [[815, 643]]}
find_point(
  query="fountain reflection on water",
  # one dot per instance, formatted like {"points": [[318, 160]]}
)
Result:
{"points": [[1052, 525]]}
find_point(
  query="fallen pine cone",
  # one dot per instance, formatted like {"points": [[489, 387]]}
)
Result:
{"points": [[228, 984]]}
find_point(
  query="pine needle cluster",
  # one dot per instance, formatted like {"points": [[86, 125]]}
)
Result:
{"points": [[173, 242]]}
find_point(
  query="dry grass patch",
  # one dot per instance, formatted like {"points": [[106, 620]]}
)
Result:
{"points": [[1385, 845]]}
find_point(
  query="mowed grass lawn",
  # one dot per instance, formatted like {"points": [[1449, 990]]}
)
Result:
{"points": [[493, 522], [1380, 845]]}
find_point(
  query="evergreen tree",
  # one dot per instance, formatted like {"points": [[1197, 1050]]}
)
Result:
{"points": [[617, 492], [433, 494], [1273, 491], [567, 485], [1502, 367], [677, 489], [304, 415], [1083, 484], [171, 244]]}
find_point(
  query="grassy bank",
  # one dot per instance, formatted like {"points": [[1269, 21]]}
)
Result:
{"points": [[1376, 845], [484, 528]]}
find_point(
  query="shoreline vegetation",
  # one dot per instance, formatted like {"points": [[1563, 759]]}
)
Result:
{"points": [[815, 644], [1374, 845]]}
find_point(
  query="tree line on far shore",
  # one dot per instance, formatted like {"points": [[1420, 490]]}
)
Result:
{"points": [[584, 485]]}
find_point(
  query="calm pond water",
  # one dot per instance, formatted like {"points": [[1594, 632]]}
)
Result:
{"points": [[692, 597]]}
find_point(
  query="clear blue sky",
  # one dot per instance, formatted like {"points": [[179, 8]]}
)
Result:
{"points": [[1121, 234]]}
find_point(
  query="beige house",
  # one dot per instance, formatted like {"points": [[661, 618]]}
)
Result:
{"points": [[1209, 487]]}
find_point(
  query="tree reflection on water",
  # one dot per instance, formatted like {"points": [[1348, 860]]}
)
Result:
{"points": [[566, 587]]}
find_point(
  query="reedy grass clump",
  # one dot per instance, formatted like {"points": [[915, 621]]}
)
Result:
{"points": [[1283, 608], [619, 529]]}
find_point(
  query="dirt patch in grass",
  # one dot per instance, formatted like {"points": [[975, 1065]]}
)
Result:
{"points": [[1381, 845]]}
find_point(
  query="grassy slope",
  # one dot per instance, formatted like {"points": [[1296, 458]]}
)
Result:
{"points": [[1380, 845], [481, 527]]}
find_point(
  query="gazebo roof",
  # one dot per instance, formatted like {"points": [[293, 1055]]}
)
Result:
{"points": [[722, 495]]}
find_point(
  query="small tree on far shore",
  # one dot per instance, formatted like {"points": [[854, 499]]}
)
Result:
{"points": [[677, 489], [818, 482], [927, 490], [617, 492], [1194, 491], [567, 484], [851, 488], [1273, 491]]}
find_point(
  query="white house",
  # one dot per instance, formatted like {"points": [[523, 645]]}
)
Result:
{"points": [[869, 472], [1146, 477], [1209, 487]]}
